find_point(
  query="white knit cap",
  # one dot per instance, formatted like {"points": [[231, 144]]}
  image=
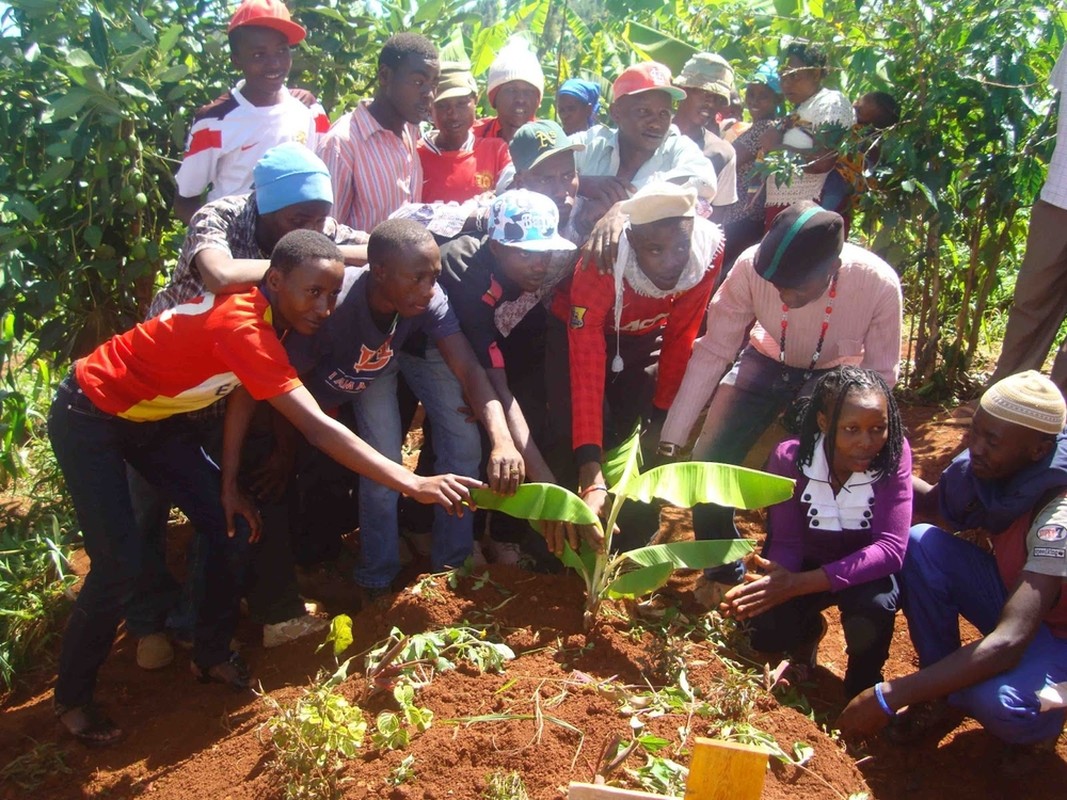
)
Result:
{"points": [[660, 200], [1028, 399], [516, 62]]}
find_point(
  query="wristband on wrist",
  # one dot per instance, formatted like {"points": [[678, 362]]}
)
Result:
{"points": [[881, 701], [593, 487]]}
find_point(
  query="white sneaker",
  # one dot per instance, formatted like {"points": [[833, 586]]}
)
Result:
{"points": [[154, 651], [503, 552], [280, 633]]}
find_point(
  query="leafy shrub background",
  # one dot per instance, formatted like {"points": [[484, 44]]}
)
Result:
{"points": [[98, 94]]}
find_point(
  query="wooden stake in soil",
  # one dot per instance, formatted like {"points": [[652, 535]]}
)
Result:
{"points": [[725, 771]]}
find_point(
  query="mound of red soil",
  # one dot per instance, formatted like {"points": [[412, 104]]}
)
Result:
{"points": [[552, 710]]}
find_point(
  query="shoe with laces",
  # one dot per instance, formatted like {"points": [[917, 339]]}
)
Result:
{"points": [[280, 633], [154, 651]]}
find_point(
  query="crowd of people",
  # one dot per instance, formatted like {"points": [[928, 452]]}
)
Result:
{"points": [[540, 289]]}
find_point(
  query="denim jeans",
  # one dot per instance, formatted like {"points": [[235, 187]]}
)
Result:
{"points": [[867, 614], [93, 450], [158, 600], [746, 402], [267, 579], [457, 449], [944, 578]]}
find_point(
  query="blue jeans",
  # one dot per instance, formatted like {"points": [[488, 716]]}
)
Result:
{"points": [[945, 578], [746, 402], [93, 449], [159, 600], [457, 449]]}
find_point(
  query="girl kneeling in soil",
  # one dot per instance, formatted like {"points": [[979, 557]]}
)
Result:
{"points": [[841, 538]]}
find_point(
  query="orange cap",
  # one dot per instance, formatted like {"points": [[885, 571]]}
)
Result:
{"points": [[645, 77], [267, 14]]}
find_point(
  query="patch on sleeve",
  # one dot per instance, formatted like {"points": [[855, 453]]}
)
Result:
{"points": [[578, 316], [1052, 533], [1048, 552]]}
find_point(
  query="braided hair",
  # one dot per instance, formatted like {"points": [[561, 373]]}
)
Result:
{"points": [[829, 397]]}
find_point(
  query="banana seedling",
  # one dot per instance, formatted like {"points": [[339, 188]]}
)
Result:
{"points": [[638, 572]]}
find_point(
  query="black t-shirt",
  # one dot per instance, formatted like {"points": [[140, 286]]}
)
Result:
{"points": [[475, 290], [350, 350]]}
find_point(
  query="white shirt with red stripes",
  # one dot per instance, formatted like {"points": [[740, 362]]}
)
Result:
{"points": [[230, 135]]}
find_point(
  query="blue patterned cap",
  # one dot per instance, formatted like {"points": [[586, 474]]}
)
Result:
{"points": [[527, 220]]}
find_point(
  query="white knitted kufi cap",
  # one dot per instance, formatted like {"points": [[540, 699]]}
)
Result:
{"points": [[1028, 399], [661, 200], [516, 61]]}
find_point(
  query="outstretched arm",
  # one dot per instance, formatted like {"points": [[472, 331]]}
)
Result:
{"points": [[224, 274], [1031, 599], [348, 450], [506, 468]]}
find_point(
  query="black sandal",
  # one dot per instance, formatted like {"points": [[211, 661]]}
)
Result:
{"points": [[95, 729], [233, 672]]}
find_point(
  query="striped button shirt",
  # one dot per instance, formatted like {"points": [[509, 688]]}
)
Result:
{"points": [[374, 171]]}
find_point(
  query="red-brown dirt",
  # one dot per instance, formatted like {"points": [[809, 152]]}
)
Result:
{"points": [[192, 741]]}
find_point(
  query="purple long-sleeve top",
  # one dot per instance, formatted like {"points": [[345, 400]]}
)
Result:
{"points": [[848, 557]]}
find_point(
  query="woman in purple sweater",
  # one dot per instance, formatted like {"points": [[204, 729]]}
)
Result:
{"points": [[840, 539]]}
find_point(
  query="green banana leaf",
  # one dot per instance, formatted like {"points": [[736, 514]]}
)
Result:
{"points": [[691, 555], [639, 582], [623, 462], [582, 562], [658, 46], [686, 484], [454, 49], [538, 501]]}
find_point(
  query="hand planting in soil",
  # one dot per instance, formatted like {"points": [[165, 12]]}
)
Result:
{"points": [[637, 572]]}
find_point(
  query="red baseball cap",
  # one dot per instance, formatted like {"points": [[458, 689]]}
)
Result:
{"points": [[645, 77], [267, 14]]}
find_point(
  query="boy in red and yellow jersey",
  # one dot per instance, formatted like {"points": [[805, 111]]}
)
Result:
{"points": [[122, 405]]}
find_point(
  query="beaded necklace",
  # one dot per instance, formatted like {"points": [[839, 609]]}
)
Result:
{"points": [[822, 335]]}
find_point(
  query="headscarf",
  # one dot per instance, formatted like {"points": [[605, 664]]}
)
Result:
{"points": [[586, 91], [767, 74]]}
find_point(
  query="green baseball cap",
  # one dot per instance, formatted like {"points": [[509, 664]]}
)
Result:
{"points": [[535, 141], [456, 80]]}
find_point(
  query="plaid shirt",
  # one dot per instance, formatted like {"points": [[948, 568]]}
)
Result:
{"points": [[227, 224]]}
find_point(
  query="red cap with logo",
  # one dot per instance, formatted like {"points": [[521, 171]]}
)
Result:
{"points": [[645, 77], [267, 14]]}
